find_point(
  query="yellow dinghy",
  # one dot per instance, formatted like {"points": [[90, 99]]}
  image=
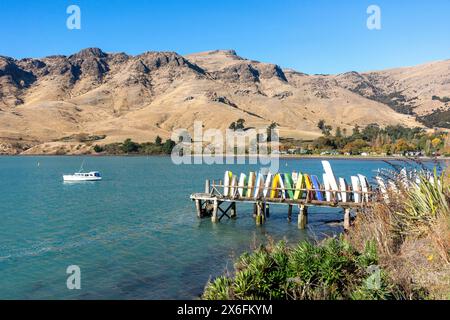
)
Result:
{"points": [[227, 183], [251, 184], [298, 186], [309, 185], [275, 184]]}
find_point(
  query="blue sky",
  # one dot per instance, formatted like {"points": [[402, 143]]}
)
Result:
{"points": [[313, 36]]}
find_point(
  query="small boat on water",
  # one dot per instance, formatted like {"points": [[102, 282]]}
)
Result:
{"points": [[83, 176]]}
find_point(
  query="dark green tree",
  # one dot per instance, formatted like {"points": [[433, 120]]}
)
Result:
{"points": [[168, 146], [98, 148], [321, 124], [129, 146], [338, 133], [326, 129], [370, 132], [158, 140], [240, 124], [270, 130]]}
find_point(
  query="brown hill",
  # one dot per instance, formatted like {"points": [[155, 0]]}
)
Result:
{"points": [[50, 104], [421, 90]]}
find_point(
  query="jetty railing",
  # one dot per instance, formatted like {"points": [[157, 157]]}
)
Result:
{"points": [[208, 203]]}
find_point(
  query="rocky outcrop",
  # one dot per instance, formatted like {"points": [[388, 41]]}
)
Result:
{"points": [[240, 73], [269, 71]]}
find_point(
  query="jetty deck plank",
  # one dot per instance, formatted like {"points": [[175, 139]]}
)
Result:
{"points": [[331, 204]]}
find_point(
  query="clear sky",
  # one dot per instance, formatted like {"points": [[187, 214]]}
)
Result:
{"points": [[313, 36]]}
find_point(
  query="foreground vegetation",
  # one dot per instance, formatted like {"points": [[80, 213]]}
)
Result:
{"points": [[412, 233], [399, 249], [332, 270]]}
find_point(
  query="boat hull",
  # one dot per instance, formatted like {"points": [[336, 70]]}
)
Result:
{"points": [[70, 178]]}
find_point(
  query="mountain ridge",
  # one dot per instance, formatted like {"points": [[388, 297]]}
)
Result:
{"points": [[121, 96]]}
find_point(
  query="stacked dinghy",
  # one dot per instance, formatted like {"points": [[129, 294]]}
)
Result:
{"points": [[297, 186]]}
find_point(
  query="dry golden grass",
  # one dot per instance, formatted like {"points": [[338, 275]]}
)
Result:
{"points": [[416, 255], [447, 171]]}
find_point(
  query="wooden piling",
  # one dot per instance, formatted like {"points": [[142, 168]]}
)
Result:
{"points": [[214, 217], [198, 207], [207, 187], [255, 210], [267, 211], [258, 213], [290, 213], [346, 219], [302, 217], [263, 213], [260, 216], [233, 211]]}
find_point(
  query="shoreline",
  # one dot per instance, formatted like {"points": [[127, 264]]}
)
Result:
{"points": [[369, 158], [281, 157]]}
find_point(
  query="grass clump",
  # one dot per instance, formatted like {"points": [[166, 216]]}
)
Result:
{"points": [[330, 270], [424, 203], [411, 232]]}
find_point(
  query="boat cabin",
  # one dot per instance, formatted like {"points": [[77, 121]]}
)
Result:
{"points": [[88, 174]]}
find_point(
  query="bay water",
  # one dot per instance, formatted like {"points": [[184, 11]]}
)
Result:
{"points": [[134, 235]]}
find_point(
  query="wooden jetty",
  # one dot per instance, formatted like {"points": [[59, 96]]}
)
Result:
{"points": [[210, 202]]}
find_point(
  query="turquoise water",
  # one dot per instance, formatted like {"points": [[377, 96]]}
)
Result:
{"points": [[135, 234]]}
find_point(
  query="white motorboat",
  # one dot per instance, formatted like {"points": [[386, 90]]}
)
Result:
{"points": [[83, 176]]}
